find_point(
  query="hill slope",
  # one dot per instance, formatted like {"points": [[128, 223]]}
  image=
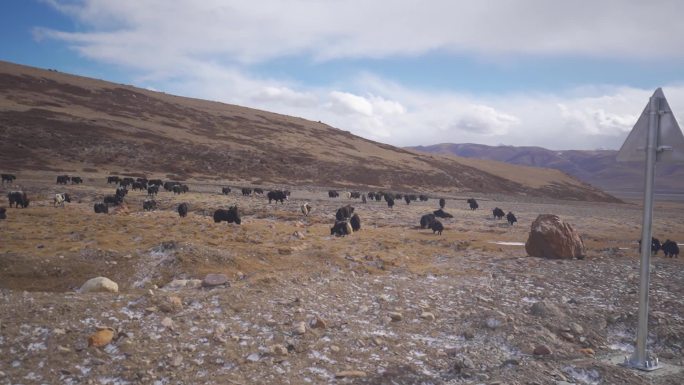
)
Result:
{"points": [[60, 122], [598, 168]]}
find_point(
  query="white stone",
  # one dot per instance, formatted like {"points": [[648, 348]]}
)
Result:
{"points": [[98, 285]]}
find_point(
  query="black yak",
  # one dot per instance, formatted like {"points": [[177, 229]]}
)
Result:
{"points": [[183, 210], [442, 203], [225, 190], [333, 194], [442, 214], [153, 190], [426, 220], [277, 195], [390, 201], [8, 178], [3, 213], [231, 215], [18, 198], [670, 249], [498, 213], [510, 217], [436, 227], [407, 199], [355, 222], [101, 208], [473, 204], [149, 204], [341, 228], [344, 213], [113, 199]]}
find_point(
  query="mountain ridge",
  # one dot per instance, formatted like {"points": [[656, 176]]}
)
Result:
{"points": [[596, 167]]}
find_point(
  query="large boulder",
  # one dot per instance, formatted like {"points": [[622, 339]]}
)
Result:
{"points": [[99, 285], [550, 237]]}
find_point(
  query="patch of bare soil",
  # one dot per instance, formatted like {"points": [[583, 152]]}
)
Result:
{"points": [[390, 304]]}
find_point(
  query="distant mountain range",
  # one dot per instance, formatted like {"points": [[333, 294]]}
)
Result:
{"points": [[598, 168]]}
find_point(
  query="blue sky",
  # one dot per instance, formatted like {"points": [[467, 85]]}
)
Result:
{"points": [[529, 72]]}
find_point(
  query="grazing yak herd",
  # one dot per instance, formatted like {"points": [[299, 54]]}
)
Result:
{"points": [[346, 221]]}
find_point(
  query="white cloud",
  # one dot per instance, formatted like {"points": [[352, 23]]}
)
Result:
{"points": [[204, 49], [267, 29], [345, 103]]}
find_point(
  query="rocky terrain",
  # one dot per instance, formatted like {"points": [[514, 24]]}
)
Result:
{"points": [[277, 300], [598, 167], [58, 122]]}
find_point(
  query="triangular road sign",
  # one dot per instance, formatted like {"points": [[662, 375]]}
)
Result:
{"points": [[670, 142]]}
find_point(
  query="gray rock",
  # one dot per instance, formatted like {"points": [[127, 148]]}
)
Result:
{"points": [[545, 309], [576, 328], [212, 280], [395, 316], [541, 350]]}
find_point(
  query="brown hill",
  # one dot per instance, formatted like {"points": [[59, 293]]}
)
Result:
{"points": [[66, 123], [598, 167]]}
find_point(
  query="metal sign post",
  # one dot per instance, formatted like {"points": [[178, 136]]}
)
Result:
{"points": [[656, 126]]}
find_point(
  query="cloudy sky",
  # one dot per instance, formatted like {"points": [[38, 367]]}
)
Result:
{"points": [[558, 74]]}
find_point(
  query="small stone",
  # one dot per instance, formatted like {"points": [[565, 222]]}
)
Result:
{"points": [[468, 334], [350, 374], [300, 328], [463, 362], [395, 316], [427, 316], [545, 309], [59, 332], [492, 323], [667, 354], [167, 322], [334, 348], [177, 361], [541, 350], [212, 280], [377, 341], [279, 350], [173, 303], [63, 349], [317, 323], [177, 284], [101, 338], [587, 351], [567, 336], [510, 362], [100, 285], [576, 328], [254, 357]]}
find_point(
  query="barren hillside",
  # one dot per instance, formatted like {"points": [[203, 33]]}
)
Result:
{"points": [[59, 122]]}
